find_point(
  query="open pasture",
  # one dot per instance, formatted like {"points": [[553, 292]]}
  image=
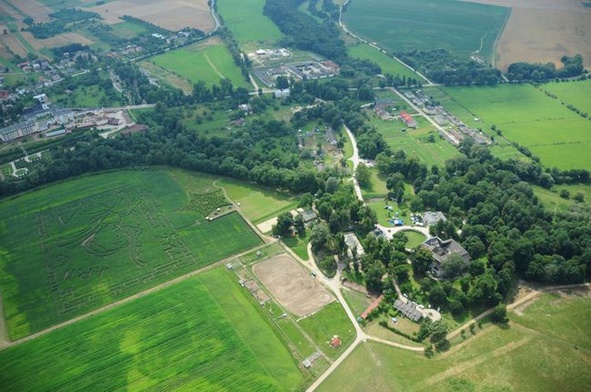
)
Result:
{"points": [[82, 244], [386, 63], [545, 349], [205, 333], [415, 141], [257, 202], [207, 62], [248, 24], [292, 285], [404, 25], [527, 116], [173, 15], [572, 93]]}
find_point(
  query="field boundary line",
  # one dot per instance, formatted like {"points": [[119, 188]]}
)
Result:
{"points": [[115, 304]]}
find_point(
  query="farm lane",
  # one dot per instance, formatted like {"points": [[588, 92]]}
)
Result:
{"points": [[4, 345]]}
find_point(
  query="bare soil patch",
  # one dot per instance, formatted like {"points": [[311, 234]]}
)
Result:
{"points": [[543, 31], [11, 43], [34, 9], [58, 40], [171, 14], [291, 285]]}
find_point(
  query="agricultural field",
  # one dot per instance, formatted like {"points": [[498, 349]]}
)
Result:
{"points": [[546, 347], [248, 24], [387, 63], [173, 15], [205, 333], [415, 142], [573, 93], [82, 244], [326, 323], [128, 30], [525, 115], [256, 202], [207, 61], [404, 25]]}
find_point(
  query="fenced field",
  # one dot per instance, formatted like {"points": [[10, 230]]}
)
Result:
{"points": [[404, 25], [526, 115], [203, 334], [82, 244]]}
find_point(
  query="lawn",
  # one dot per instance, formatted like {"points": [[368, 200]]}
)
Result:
{"points": [[405, 25], [414, 238], [326, 323], [87, 97], [299, 245], [376, 188], [256, 202], [527, 116], [545, 349], [205, 333], [387, 63], [203, 61], [79, 245], [356, 300], [246, 21]]}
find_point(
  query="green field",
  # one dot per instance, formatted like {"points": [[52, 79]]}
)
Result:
{"points": [[552, 200], [327, 322], [202, 62], [415, 141], [405, 25], [205, 333], [545, 349], [79, 245], [246, 21], [256, 202], [387, 63], [414, 238], [573, 93], [376, 188], [527, 116], [128, 30]]}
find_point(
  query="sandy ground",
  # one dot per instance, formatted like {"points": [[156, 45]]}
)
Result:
{"points": [[543, 31], [171, 14], [291, 285]]}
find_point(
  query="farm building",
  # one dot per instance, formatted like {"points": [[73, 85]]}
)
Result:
{"points": [[442, 250], [308, 216], [372, 306], [408, 309], [408, 119]]}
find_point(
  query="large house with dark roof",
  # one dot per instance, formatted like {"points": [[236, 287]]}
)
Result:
{"points": [[442, 250]]}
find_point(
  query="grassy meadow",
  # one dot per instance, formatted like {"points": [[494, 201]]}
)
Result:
{"points": [[246, 21], [404, 25], [546, 348], [414, 238], [205, 333], [415, 141], [527, 116], [82, 244], [376, 188], [257, 202], [573, 93], [387, 63], [202, 62]]}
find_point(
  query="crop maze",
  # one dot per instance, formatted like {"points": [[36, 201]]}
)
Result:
{"points": [[101, 257]]}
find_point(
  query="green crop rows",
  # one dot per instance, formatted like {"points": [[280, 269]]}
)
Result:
{"points": [[62, 255], [404, 25], [205, 333]]}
